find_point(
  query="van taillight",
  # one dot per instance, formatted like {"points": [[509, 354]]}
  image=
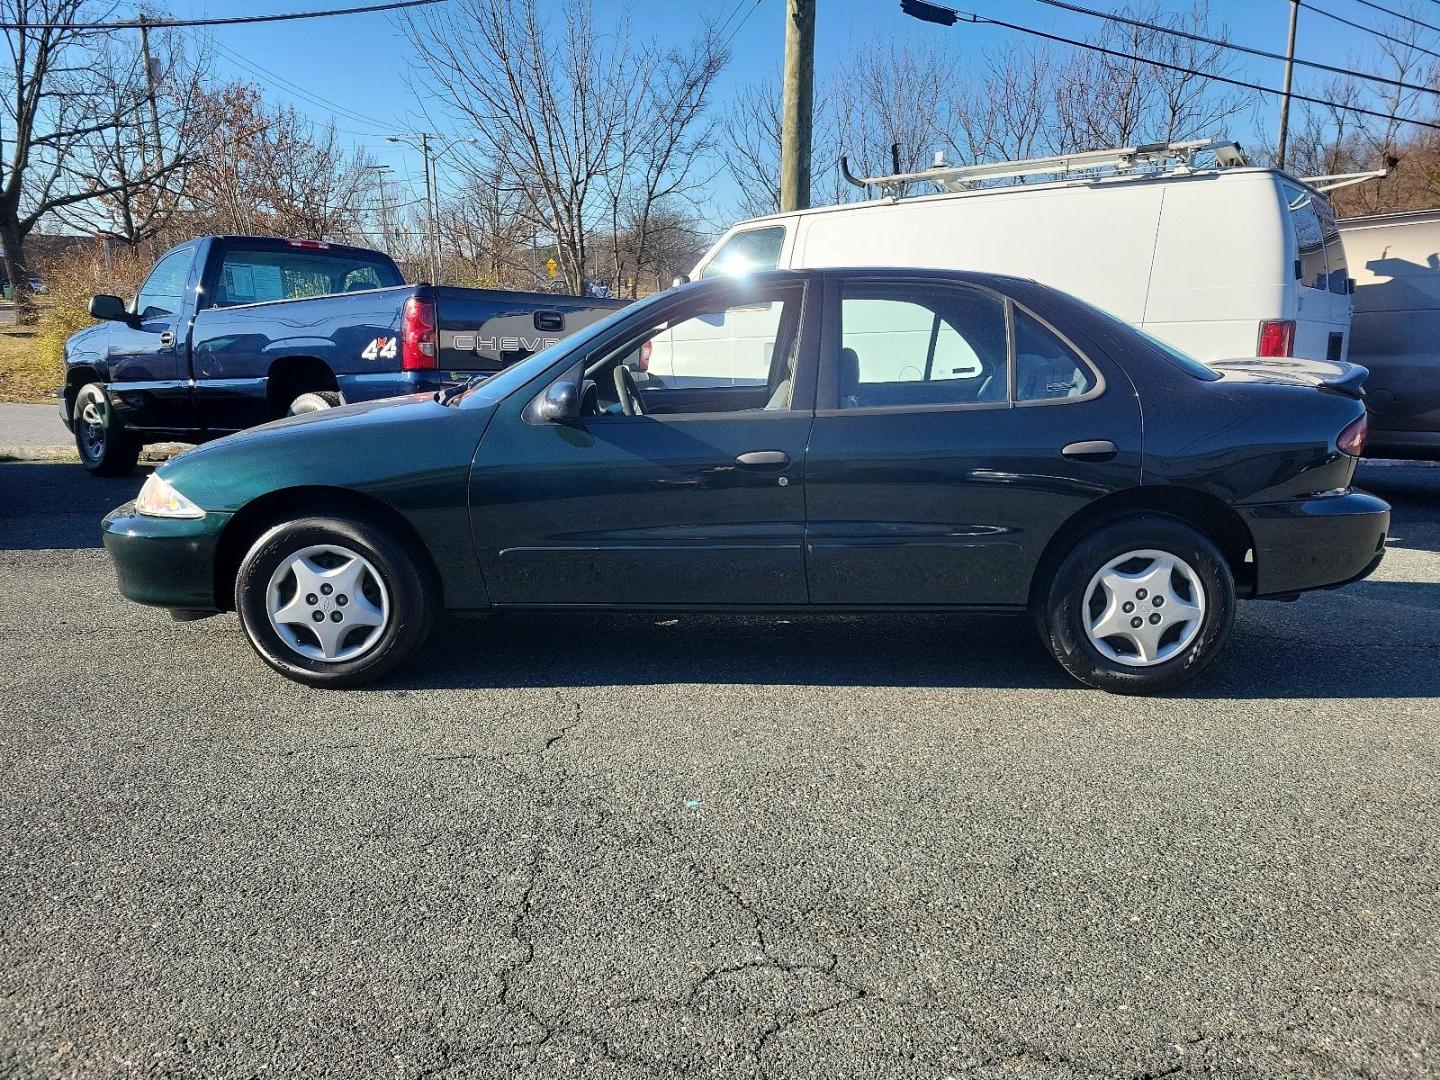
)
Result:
{"points": [[1277, 338], [645, 355], [418, 349], [1352, 440]]}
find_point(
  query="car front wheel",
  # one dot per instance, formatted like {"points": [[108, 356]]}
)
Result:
{"points": [[105, 448], [333, 601], [1139, 607]]}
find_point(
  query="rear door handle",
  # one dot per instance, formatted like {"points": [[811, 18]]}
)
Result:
{"points": [[1091, 450], [763, 459]]}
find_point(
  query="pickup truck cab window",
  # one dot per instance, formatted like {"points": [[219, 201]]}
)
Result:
{"points": [[747, 252], [164, 289], [250, 276]]}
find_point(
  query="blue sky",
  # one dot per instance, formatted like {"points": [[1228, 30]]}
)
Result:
{"points": [[360, 61]]}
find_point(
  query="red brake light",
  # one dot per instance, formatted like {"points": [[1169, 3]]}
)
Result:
{"points": [[1352, 440], [315, 245], [418, 348], [645, 355], [1277, 338]]}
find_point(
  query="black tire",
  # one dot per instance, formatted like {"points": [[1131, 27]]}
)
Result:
{"points": [[105, 447], [408, 589], [314, 401], [1061, 612]]}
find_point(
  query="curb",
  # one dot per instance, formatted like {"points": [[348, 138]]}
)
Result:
{"points": [[151, 455]]}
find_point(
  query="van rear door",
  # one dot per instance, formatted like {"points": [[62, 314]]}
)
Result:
{"points": [[1322, 293]]}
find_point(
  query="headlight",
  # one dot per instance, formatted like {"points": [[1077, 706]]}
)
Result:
{"points": [[159, 499]]}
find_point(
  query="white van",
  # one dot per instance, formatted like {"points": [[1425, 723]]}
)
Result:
{"points": [[1218, 262]]}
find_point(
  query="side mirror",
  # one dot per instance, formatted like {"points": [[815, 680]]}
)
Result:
{"points": [[110, 308], [678, 280], [560, 403]]}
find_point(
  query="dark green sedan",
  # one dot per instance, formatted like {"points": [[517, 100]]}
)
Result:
{"points": [[840, 440]]}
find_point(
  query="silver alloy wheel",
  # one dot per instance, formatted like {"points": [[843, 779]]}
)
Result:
{"points": [[92, 419], [328, 603], [1143, 608]]}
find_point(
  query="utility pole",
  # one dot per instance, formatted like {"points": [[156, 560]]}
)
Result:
{"points": [[433, 238], [799, 104], [385, 238], [150, 89], [1285, 90]]}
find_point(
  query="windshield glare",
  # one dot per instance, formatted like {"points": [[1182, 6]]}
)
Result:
{"points": [[488, 389]]}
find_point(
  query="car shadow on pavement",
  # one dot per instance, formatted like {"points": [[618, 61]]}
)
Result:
{"points": [[55, 505], [1307, 656]]}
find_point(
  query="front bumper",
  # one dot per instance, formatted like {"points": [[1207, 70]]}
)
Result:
{"points": [[1316, 543], [167, 562]]}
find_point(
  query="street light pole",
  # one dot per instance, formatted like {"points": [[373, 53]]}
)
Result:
{"points": [[431, 215], [1285, 90]]}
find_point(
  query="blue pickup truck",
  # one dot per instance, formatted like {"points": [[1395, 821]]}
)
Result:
{"points": [[232, 331]]}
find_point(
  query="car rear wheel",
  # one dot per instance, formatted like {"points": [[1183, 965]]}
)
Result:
{"points": [[333, 601], [105, 448], [1139, 607], [314, 401]]}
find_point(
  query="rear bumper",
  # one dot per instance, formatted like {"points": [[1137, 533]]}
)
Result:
{"points": [[385, 384], [166, 562], [1316, 543]]}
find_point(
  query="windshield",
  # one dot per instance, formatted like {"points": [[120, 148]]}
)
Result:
{"points": [[488, 389]]}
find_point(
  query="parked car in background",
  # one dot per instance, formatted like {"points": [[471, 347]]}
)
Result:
{"points": [[1395, 259], [1017, 481], [232, 331], [1222, 261]]}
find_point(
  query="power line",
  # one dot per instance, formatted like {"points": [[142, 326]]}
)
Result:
{"points": [[1368, 30], [315, 98], [1398, 15], [971, 17], [1110, 16], [232, 20], [741, 23]]}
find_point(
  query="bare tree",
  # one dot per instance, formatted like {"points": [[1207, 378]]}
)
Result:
{"points": [[60, 93], [547, 107]]}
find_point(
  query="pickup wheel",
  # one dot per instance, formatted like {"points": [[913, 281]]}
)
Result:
{"points": [[333, 601], [315, 401], [106, 448]]}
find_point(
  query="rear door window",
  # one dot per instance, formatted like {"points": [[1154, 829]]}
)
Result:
{"points": [[918, 344], [1309, 237]]}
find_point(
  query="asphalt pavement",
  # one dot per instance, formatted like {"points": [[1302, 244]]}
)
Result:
{"points": [[616, 846]]}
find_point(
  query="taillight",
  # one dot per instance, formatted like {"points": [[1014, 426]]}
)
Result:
{"points": [[418, 349], [1352, 440], [1277, 338], [645, 355]]}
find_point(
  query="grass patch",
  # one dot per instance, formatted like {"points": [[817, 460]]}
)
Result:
{"points": [[29, 372]]}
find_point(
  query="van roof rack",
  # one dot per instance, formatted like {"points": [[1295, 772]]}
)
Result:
{"points": [[1172, 157]]}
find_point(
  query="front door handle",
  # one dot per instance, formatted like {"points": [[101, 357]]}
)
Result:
{"points": [[763, 459], [1091, 450], [167, 339]]}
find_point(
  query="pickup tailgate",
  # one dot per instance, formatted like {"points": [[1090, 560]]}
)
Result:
{"points": [[488, 329], [1332, 375]]}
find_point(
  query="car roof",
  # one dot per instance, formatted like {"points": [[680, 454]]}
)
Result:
{"points": [[905, 273]]}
